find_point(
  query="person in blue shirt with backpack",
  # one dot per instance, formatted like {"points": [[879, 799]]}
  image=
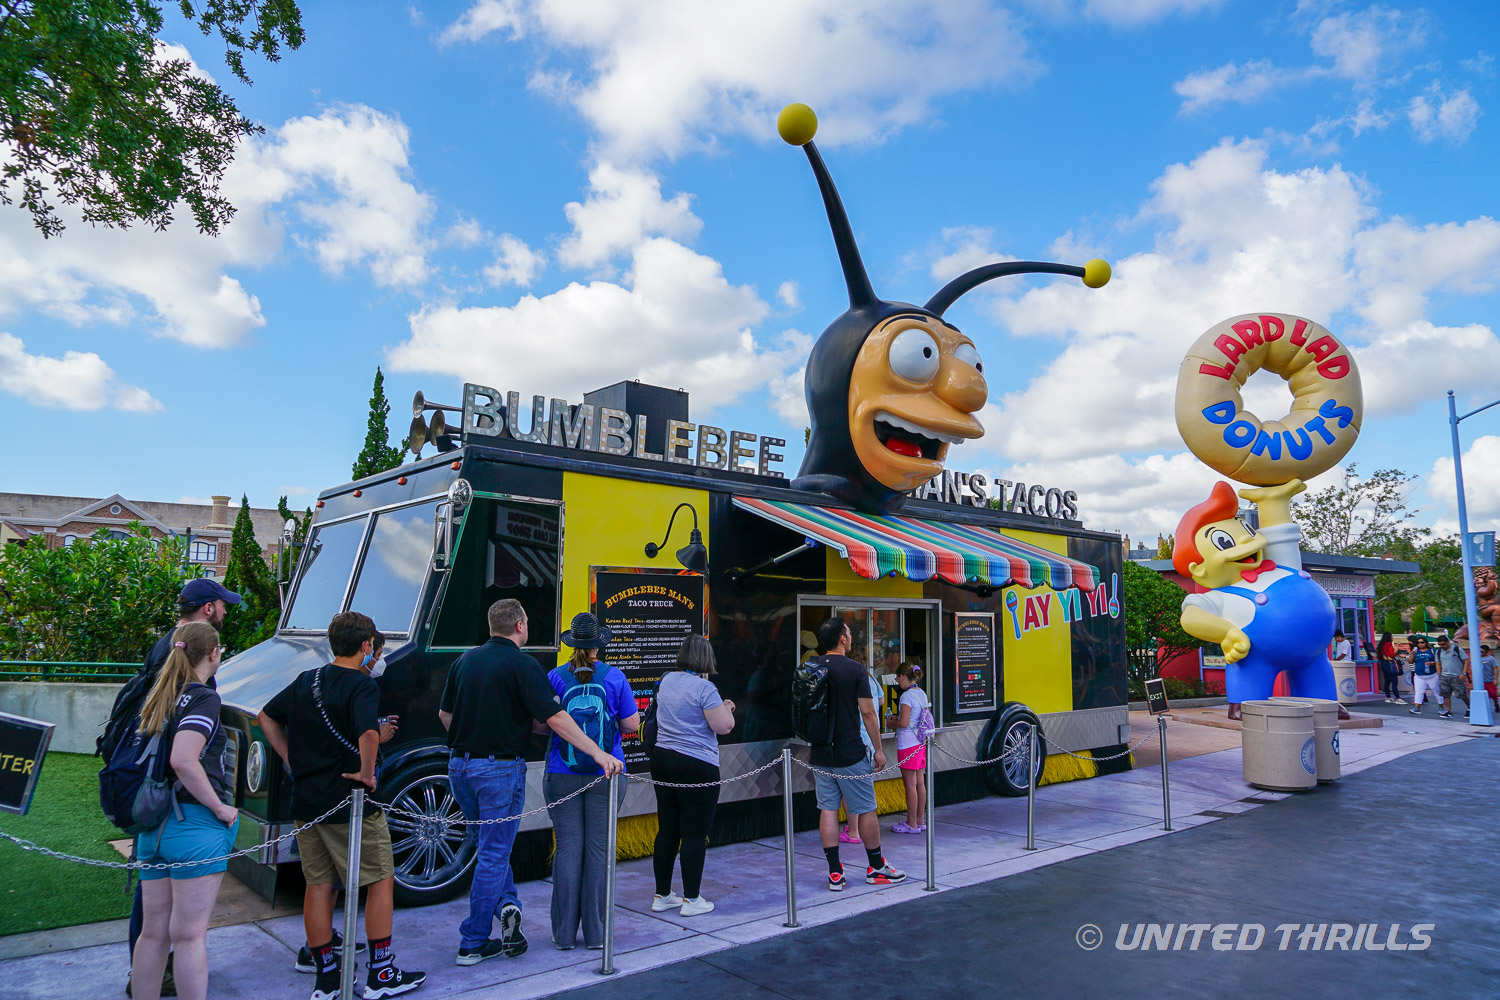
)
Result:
{"points": [[599, 699]]}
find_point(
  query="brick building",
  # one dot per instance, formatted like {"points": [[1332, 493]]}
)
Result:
{"points": [[32, 518]]}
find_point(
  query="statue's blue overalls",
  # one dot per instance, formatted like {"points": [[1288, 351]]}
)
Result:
{"points": [[1293, 619]]}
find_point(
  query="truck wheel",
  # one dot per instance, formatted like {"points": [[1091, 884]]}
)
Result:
{"points": [[1006, 736], [433, 862]]}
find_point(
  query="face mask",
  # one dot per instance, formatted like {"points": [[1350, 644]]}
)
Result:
{"points": [[377, 669]]}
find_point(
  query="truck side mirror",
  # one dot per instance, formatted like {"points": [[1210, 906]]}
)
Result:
{"points": [[447, 516]]}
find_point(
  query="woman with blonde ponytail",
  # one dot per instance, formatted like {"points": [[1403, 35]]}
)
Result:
{"points": [[178, 901]]}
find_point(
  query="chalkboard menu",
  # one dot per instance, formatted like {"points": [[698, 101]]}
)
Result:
{"points": [[974, 653], [648, 614], [23, 745]]}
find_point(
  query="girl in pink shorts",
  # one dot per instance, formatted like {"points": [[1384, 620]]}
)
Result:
{"points": [[913, 722]]}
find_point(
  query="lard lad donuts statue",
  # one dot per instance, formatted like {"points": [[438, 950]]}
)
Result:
{"points": [[1261, 606], [890, 386]]}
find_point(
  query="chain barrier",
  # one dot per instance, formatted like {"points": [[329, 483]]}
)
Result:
{"points": [[449, 821], [27, 845]]}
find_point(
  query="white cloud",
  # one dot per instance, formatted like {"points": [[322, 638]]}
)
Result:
{"points": [[663, 76], [697, 325], [787, 390], [1360, 44], [1436, 115], [1399, 264], [466, 233], [1132, 13], [75, 381], [787, 294], [623, 207], [1481, 484], [344, 172], [964, 248], [1242, 83], [515, 263]]}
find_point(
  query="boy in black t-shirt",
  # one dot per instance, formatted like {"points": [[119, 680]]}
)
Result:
{"points": [[324, 726]]}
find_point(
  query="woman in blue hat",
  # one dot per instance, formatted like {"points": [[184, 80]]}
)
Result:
{"points": [[598, 697]]}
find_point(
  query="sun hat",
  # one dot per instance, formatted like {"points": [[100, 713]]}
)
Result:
{"points": [[586, 633]]}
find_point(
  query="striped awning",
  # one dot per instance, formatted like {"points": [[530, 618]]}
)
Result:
{"points": [[878, 545]]}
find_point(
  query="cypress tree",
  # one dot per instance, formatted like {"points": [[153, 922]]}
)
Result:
{"points": [[254, 618], [377, 455]]}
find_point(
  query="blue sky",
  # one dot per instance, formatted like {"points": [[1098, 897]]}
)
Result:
{"points": [[552, 196]]}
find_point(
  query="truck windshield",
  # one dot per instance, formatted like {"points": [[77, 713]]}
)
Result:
{"points": [[395, 567], [320, 593]]}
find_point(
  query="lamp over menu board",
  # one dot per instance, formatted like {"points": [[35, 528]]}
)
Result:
{"points": [[649, 615]]}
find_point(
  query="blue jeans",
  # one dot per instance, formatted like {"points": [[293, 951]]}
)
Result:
{"points": [[486, 789]]}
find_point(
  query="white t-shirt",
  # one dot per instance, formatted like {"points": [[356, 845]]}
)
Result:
{"points": [[1342, 650], [864, 734], [915, 699]]}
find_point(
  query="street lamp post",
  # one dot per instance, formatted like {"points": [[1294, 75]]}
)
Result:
{"points": [[1479, 703]]}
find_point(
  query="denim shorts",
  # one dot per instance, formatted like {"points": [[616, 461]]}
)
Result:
{"points": [[858, 793], [199, 834]]}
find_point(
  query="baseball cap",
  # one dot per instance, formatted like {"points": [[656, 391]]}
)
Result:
{"points": [[202, 590]]}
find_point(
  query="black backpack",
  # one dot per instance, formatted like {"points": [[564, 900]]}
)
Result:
{"points": [[124, 715], [812, 722], [133, 788]]}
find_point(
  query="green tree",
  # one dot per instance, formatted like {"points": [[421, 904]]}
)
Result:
{"points": [[1153, 621], [1358, 516], [1166, 546], [247, 574], [1438, 585], [377, 455], [100, 599], [93, 113]]}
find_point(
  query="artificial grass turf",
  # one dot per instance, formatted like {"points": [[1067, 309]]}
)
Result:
{"points": [[38, 892]]}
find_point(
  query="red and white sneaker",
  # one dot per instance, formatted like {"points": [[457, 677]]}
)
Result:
{"points": [[836, 881], [884, 875]]}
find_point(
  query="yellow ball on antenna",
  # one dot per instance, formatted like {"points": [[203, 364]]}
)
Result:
{"points": [[797, 124], [1096, 273]]}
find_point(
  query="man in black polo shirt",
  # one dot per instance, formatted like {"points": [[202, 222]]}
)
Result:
{"points": [[494, 691]]}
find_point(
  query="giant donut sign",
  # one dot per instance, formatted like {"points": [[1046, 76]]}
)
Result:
{"points": [[1327, 402]]}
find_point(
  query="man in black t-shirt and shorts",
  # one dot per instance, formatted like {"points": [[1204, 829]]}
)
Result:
{"points": [[849, 708], [494, 691], [324, 725]]}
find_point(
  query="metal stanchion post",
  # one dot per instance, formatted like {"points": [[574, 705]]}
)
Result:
{"points": [[351, 893], [607, 965], [1031, 783], [1166, 791], [786, 809], [927, 773]]}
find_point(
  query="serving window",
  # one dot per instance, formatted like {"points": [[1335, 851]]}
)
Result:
{"points": [[882, 637], [506, 548]]}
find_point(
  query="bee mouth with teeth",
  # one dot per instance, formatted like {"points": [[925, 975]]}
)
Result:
{"points": [[904, 441]]}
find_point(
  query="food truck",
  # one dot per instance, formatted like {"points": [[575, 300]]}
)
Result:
{"points": [[1013, 614]]}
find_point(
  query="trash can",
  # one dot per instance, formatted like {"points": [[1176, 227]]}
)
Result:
{"points": [[1326, 729], [1343, 678], [1280, 745]]}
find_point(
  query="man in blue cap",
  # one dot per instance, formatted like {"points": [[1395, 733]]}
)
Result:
{"points": [[200, 600]]}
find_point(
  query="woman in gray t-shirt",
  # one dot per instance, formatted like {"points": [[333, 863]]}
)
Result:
{"points": [[690, 716]]}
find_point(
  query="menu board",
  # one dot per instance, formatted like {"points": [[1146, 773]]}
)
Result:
{"points": [[974, 655], [648, 614]]}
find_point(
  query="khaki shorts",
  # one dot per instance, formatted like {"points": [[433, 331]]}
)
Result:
{"points": [[325, 851]]}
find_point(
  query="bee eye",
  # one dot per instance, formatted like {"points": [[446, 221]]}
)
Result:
{"points": [[970, 356], [914, 355], [1221, 539]]}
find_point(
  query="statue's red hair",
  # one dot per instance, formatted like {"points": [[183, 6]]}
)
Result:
{"points": [[1221, 503]]}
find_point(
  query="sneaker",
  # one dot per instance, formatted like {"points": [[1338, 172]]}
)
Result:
{"points": [[390, 981], [477, 954], [836, 881], [565, 947], [168, 984], [884, 876], [327, 986], [511, 937], [695, 906], [305, 961], [670, 901], [1416, 711]]}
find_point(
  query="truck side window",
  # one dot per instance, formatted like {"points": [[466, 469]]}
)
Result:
{"points": [[395, 567], [507, 548], [325, 574]]}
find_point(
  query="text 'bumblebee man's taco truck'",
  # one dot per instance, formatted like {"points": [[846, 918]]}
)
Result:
{"points": [[1014, 615]]}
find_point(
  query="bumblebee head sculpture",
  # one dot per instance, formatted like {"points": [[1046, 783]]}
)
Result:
{"points": [[890, 386]]}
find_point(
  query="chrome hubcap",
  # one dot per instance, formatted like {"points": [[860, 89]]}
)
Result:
{"points": [[429, 854], [1016, 753]]}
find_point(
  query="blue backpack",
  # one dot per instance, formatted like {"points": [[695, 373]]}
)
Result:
{"points": [[588, 704], [133, 788]]}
